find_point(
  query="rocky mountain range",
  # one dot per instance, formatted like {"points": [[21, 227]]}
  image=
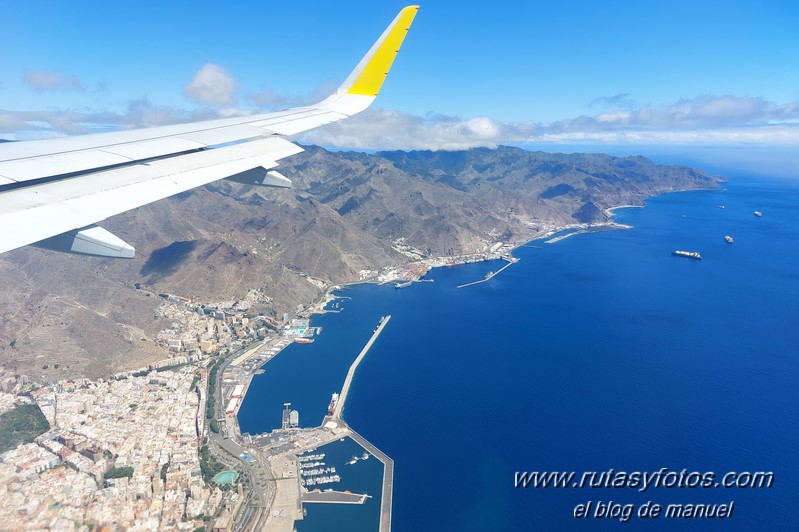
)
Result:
{"points": [[341, 217]]}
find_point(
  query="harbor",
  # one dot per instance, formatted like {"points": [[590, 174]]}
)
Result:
{"points": [[334, 421], [291, 483], [305, 465]]}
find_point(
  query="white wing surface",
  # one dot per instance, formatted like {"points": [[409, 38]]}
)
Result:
{"points": [[53, 192]]}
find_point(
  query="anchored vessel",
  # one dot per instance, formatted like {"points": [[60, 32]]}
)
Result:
{"points": [[689, 254]]}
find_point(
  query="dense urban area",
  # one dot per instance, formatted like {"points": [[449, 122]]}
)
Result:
{"points": [[159, 447]]}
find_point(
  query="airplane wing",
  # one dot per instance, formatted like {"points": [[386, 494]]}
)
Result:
{"points": [[53, 192]]}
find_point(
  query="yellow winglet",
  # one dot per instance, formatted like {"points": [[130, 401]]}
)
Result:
{"points": [[368, 77]]}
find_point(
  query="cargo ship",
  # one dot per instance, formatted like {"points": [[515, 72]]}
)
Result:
{"points": [[304, 340], [728, 239], [689, 254], [331, 408], [403, 285]]}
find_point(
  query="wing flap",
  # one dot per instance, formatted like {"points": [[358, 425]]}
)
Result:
{"points": [[74, 203], [93, 241]]}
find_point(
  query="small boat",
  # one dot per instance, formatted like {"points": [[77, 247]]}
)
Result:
{"points": [[728, 239], [758, 214]]}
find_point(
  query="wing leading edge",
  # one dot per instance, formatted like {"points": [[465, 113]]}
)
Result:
{"points": [[53, 192]]}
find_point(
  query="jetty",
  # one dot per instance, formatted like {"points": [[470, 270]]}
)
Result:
{"points": [[336, 421], [351, 373], [491, 275]]}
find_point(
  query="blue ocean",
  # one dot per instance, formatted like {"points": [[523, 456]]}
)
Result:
{"points": [[600, 352]]}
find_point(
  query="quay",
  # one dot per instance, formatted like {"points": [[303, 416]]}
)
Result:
{"points": [[491, 275], [333, 497]]}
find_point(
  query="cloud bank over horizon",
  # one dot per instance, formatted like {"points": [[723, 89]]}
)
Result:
{"points": [[618, 120]]}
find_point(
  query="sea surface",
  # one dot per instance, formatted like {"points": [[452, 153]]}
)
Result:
{"points": [[602, 351]]}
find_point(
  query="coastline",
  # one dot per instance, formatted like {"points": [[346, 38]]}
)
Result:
{"points": [[327, 296], [648, 245], [421, 268]]}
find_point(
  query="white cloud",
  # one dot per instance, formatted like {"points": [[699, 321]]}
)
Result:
{"points": [[212, 85], [708, 112], [138, 113], [45, 80], [724, 120], [705, 119]]}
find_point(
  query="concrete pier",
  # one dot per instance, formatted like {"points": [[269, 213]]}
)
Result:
{"points": [[333, 497], [351, 373], [491, 276]]}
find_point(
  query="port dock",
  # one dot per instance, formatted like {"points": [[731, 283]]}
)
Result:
{"points": [[491, 275], [333, 497]]}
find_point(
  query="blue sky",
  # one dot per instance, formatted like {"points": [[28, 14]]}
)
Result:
{"points": [[567, 73]]}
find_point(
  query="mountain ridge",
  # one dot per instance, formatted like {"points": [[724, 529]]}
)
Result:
{"points": [[343, 217]]}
